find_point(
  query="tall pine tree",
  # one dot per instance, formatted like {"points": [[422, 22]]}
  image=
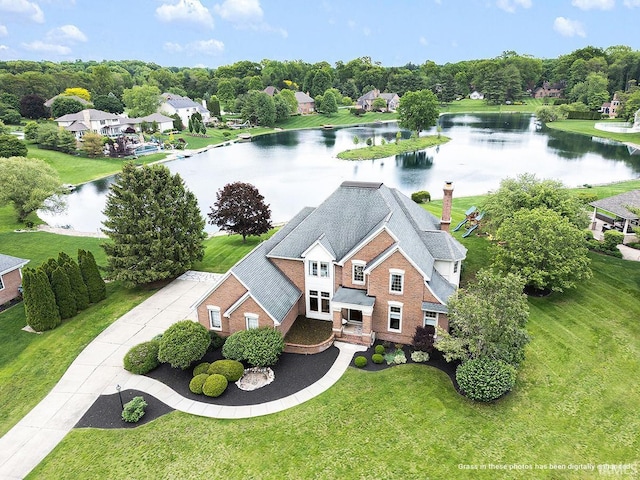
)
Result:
{"points": [[78, 287], [155, 226], [40, 303], [63, 294], [91, 275]]}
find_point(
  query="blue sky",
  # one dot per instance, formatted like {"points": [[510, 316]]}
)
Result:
{"points": [[393, 32]]}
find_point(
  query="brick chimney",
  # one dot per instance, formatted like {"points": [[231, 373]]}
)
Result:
{"points": [[445, 221]]}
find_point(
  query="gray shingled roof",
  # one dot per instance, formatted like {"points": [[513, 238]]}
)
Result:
{"points": [[353, 296], [441, 287], [302, 97], [93, 115], [434, 307], [177, 101], [618, 203], [77, 127], [9, 263]]}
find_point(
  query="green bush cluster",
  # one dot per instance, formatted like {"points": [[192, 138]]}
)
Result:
{"points": [[379, 349], [216, 340], [201, 368], [421, 196], [232, 370], [259, 347], [377, 358], [214, 385], [134, 410], [484, 380], [183, 343], [142, 358], [612, 238], [197, 382], [419, 356], [396, 357], [360, 361]]}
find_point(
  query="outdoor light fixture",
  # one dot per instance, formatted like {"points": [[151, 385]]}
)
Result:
{"points": [[118, 388]]}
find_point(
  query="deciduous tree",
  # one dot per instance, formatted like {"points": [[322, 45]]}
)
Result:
{"points": [[108, 103], [64, 105], [418, 110], [329, 105], [141, 100], [92, 144], [32, 106], [240, 208], [155, 226]]}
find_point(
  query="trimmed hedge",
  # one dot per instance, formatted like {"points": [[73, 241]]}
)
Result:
{"points": [[259, 347], [214, 385], [233, 347], [197, 382], [379, 349], [142, 358], [573, 115], [201, 368], [183, 343], [134, 410], [484, 380], [377, 357], [232, 370], [360, 361]]}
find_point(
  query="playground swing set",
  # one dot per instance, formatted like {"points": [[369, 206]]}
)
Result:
{"points": [[472, 220]]}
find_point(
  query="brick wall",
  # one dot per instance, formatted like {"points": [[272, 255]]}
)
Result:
{"points": [[368, 252], [11, 282], [223, 296]]}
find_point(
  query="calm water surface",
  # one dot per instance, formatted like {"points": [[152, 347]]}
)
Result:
{"points": [[297, 169]]}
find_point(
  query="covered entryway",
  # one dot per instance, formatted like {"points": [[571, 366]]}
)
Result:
{"points": [[352, 311]]}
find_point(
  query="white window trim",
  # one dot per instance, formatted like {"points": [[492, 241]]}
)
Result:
{"points": [[248, 317], [354, 264], [435, 319], [392, 272], [397, 305], [456, 266], [320, 264], [213, 308], [310, 270]]}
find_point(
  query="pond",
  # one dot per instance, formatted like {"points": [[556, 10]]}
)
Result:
{"points": [[297, 169]]}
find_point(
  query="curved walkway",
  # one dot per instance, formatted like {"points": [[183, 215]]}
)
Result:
{"points": [[98, 369]]}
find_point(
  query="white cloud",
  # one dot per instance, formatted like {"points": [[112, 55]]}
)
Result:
{"points": [[3, 47], [568, 28], [239, 11], [66, 34], [191, 11], [511, 5], [207, 47], [423, 41], [3, 31], [23, 7], [590, 4], [39, 46], [631, 3]]}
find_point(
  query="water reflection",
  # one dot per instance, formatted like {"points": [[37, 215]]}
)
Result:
{"points": [[414, 160]]}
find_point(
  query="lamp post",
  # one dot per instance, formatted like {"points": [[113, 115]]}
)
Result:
{"points": [[118, 388]]}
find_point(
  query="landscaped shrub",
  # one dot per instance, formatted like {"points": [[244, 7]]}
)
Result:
{"points": [[612, 238], [231, 369], [183, 343], [197, 382], [379, 349], [39, 301], [214, 385], [201, 368], [360, 361], [421, 197], [396, 358], [260, 347], [134, 410], [78, 287], [142, 358], [419, 356], [91, 275], [62, 291], [423, 338], [377, 358], [216, 340], [483, 379]]}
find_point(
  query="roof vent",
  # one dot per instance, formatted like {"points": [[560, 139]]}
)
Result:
{"points": [[352, 184]]}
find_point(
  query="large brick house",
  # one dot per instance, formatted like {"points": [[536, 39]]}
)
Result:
{"points": [[368, 259], [10, 277]]}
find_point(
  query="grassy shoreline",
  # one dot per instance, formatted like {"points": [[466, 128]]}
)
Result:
{"points": [[390, 149]]}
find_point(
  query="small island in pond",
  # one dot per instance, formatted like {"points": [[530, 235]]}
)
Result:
{"points": [[390, 149]]}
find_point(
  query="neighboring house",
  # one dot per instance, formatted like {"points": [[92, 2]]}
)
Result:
{"points": [[476, 95], [49, 102], [10, 277], [613, 213], [91, 120], [548, 90], [183, 106], [365, 102], [164, 122], [271, 90], [611, 108], [368, 259], [306, 104]]}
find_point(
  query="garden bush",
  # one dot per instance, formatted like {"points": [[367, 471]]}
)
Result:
{"points": [[197, 382], [421, 197], [379, 349], [360, 361], [232, 370], [612, 238], [216, 340], [377, 358], [201, 368], [396, 358], [183, 343], [419, 356], [259, 347], [134, 410], [214, 385], [484, 380], [233, 347], [423, 338], [142, 358]]}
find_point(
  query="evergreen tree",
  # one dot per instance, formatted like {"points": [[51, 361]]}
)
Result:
{"points": [[40, 303], [155, 226], [78, 287], [91, 275], [49, 266], [62, 291]]}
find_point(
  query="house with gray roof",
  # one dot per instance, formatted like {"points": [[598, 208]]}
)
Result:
{"points": [[91, 120], [368, 260], [365, 101], [185, 107], [10, 277], [619, 212], [306, 104]]}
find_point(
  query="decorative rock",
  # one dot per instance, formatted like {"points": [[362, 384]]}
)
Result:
{"points": [[255, 377]]}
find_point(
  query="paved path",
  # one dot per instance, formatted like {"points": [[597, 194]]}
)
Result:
{"points": [[98, 369]]}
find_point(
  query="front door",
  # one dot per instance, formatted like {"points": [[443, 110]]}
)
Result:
{"points": [[355, 316]]}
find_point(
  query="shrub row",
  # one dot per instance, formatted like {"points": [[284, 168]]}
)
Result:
{"points": [[259, 347]]}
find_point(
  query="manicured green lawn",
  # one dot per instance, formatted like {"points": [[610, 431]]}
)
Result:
{"points": [[389, 149], [467, 105], [224, 251], [343, 117], [586, 127], [575, 402]]}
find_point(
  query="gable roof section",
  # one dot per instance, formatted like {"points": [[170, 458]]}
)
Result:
{"points": [[178, 101], [9, 263], [90, 114], [302, 97], [618, 204]]}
